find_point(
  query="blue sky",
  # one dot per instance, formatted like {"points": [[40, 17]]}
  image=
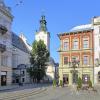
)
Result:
{"points": [[61, 16]]}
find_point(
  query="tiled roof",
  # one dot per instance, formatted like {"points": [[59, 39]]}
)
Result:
{"points": [[18, 43]]}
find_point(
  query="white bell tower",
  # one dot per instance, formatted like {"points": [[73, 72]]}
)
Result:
{"points": [[43, 34]]}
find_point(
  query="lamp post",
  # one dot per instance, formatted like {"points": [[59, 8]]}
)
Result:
{"points": [[74, 72]]}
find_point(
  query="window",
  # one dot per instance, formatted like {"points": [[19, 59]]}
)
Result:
{"points": [[85, 78], [66, 45], [85, 43], [85, 60], [23, 72], [23, 79], [65, 60], [75, 61], [4, 60], [75, 44]]}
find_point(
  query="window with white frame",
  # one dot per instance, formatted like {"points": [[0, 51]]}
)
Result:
{"points": [[85, 42], [4, 60], [65, 60], [85, 60], [66, 45], [75, 44]]}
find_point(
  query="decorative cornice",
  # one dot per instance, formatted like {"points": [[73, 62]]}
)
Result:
{"points": [[6, 12]]}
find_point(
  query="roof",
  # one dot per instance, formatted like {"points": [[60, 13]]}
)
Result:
{"points": [[82, 27], [18, 43], [75, 31]]}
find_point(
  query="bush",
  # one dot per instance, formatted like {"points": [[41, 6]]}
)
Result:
{"points": [[79, 83], [90, 84], [61, 83], [54, 83]]}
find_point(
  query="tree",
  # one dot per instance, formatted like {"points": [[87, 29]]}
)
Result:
{"points": [[39, 58]]}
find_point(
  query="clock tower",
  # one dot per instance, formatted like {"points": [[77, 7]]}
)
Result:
{"points": [[43, 34]]}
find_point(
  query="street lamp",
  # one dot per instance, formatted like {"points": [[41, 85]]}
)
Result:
{"points": [[74, 72]]}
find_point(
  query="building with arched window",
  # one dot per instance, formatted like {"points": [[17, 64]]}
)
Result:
{"points": [[81, 43], [5, 45]]}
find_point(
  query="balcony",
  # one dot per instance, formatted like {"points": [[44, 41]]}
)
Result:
{"points": [[2, 47], [3, 29], [59, 49]]}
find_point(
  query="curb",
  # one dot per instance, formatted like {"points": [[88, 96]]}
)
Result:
{"points": [[8, 89]]}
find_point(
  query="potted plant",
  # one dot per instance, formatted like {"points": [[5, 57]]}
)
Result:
{"points": [[61, 83], [79, 83], [54, 83]]}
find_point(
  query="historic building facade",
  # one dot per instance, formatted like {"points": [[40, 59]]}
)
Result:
{"points": [[20, 59], [5, 45], [76, 56], [95, 25], [94, 49], [14, 51]]}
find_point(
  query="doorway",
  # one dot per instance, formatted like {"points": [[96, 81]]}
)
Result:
{"points": [[99, 77], [65, 78], [3, 80]]}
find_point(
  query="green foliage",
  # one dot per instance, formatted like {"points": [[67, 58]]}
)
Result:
{"points": [[39, 58], [90, 84], [79, 83], [54, 83], [61, 83]]}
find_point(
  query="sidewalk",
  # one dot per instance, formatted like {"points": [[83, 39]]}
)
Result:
{"points": [[9, 87], [24, 86]]}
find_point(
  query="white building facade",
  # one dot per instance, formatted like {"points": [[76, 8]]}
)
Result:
{"points": [[5, 45], [20, 59]]}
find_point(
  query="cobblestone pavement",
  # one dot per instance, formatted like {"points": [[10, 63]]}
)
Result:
{"points": [[50, 93], [65, 93]]}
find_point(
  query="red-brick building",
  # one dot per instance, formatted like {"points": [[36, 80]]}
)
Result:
{"points": [[76, 49]]}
